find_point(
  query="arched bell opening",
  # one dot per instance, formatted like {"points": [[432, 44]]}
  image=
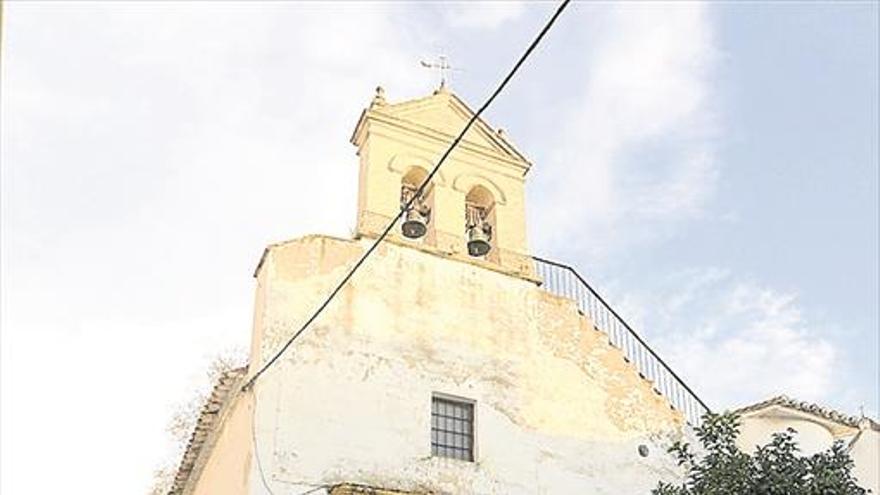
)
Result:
{"points": [[417, 219], [480, 229]]}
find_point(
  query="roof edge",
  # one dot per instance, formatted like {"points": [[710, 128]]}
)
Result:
{"points": [[861, 422], [500, 139], [210, 417]]}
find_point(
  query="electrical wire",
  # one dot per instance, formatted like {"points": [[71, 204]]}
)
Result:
{"points": [[409, 203], [260, 464], [256, 449]]}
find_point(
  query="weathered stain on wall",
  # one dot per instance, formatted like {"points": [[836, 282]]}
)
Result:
{"points": [[557, 408]]}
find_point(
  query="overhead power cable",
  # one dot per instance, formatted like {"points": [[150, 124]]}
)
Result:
{"points": [[412, 199]]}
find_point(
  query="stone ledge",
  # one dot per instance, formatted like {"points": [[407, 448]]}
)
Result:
{"points": [[354, 489]]}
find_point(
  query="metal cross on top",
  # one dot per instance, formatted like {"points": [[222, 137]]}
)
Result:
{"points": [[442, 66]]}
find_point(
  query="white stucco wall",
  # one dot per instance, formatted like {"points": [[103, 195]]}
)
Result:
{"points": [[558, 410], [812, 437], [866, 456]]}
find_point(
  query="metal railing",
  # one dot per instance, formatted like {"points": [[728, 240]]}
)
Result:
{"points": [[564, 281]]}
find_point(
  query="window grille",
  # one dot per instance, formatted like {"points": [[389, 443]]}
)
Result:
{"points": [[452, 429]]}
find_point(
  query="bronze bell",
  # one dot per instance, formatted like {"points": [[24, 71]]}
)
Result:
{"points": [[478, 239], [415, 223]]}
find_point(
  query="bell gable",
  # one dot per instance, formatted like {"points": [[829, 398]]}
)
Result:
{"points": [[473, 209]]}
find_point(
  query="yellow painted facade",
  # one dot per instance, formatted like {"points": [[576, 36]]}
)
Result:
{"points": [[541, 351], [411, 324]]}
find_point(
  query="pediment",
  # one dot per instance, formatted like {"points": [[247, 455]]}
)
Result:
{"points": [[445, 113]]}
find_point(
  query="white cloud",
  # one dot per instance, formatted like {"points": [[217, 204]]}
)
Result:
{"points": [[637, 145], [736, 342], [483, 15]]}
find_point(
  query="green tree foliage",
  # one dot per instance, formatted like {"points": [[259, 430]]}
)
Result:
{"points": [[774, 469]]}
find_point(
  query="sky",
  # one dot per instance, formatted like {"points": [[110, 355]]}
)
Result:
{"points": [[712, 169]]}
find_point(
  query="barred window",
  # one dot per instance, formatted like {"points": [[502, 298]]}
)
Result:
{"points": [[452, 428]]}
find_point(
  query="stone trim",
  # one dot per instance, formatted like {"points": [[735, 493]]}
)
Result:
{"points": [[355, 489]]}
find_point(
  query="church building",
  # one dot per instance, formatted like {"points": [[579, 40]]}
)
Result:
{"points": [[453, 362]]}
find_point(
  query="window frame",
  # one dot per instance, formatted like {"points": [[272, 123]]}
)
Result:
{"points": [[472, 434]]}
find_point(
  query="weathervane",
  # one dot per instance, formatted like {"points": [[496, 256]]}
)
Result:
{"points": [[442, 66]]}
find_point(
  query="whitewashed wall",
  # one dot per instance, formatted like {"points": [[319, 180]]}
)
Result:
{"points": [[558, 410]]}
